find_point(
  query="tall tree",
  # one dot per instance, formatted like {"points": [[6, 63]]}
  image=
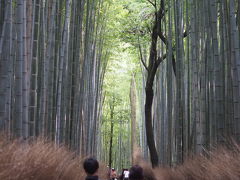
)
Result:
{"points": [[112, 106], [133, 103], [151, 68]]}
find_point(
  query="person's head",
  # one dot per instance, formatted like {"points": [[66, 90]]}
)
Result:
{"points": [[90, 166], [136, 173]]}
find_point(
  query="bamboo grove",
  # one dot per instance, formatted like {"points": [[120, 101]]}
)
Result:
{"points": [[185, 95], [51, 70], [196, 87]]}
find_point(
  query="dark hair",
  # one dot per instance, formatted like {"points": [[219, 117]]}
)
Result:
{"points": [[136, 173], [90, 165]]}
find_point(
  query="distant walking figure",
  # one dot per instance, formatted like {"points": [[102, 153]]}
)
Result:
{"points": [[113, 174], [136, 173], [91, 166], [125, 175]]}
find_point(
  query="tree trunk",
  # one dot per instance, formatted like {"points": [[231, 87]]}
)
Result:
{"points": [[149, 128], [133, 115], [111, 133]]}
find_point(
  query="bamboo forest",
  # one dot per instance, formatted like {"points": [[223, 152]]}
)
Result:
{"points": [[120, 80]]}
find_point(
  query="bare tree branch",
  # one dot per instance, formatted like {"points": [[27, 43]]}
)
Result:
{"points": [[162, 37], [162, 8], [141, 56], [160, 59], [154, 4], [149, 29]]}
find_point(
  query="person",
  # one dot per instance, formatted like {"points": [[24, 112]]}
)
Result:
{"points": [[91, 166], [113, 175], [124, 175], [136, 173]]}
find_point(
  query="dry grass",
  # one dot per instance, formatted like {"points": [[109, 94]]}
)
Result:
{"points": [[224, 164], [39, 161]]}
